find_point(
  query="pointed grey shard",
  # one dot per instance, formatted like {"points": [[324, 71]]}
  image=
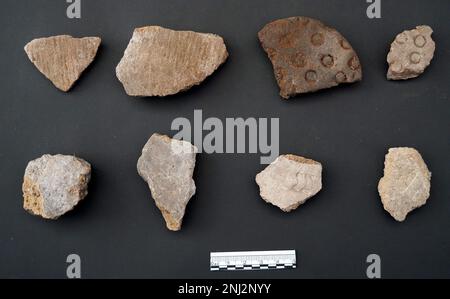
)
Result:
{"points": [[167, 165]]}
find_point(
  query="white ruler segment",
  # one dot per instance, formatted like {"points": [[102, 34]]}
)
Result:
{"points": [[253, 260]]}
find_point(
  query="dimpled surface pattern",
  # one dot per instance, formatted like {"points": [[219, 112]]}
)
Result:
{"points": [[308, 56], [411, 53]]}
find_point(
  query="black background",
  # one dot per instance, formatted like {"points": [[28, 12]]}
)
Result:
{"points": [[119, 232]]}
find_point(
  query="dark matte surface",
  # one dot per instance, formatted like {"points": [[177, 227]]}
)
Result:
{"points": [[118, 231]]}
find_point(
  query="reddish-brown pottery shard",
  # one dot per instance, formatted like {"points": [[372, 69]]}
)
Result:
{"points": [[308, 56]]}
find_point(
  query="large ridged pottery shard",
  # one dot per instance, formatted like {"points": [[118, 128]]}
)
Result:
{"points": [[308, 56], [53, 185], [167, 165], [62, 58], [161, 62], [289, 181], [405, 185], [411, 53]]}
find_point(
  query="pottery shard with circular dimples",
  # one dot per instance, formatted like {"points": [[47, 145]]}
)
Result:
{"points": [[411, 53], [308, 56]]}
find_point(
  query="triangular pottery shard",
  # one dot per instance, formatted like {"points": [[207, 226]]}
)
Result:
{"points": [[62, 58], [162, 62], [308, 56]]}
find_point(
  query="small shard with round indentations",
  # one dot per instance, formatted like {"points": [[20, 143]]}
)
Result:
{"points": [[308, 56], [411, 53], [289, 181], [53, 185]]}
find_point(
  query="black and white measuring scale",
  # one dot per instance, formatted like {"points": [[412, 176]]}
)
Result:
{"points": [[253, 260]]}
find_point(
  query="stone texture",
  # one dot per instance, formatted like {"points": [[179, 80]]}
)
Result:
{"points": [[53, 185], [167, 165], [405, 185], [289, 181], [62, 58], [161, 62], [308, 56], [411, 53]]}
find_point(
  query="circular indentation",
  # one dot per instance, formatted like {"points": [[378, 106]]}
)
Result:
{"points": [[327, 61], [415, 57], [341, 77], [345, 44], [299, 60], [311, 76], [401, 38], [420, 41], [317, 39], [353, 63]]}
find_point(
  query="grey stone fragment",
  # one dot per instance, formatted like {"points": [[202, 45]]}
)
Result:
{"points": [[289, 181], [53, 185], [411, 53], [167, 165], [406, 184], [161, 62], [63, 58], [308, 56]]}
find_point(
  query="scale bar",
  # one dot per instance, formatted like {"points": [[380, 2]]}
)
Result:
{"points": [[253, 260]]}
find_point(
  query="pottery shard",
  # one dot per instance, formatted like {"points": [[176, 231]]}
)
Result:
{"points": [[167, 165], [405, 185], [289, 181], [62, 58], [53, 185], [161, 62], [411, 53], [308, 56]]}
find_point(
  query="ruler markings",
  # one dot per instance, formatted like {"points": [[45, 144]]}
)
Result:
{"points": [[253, 260]]}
